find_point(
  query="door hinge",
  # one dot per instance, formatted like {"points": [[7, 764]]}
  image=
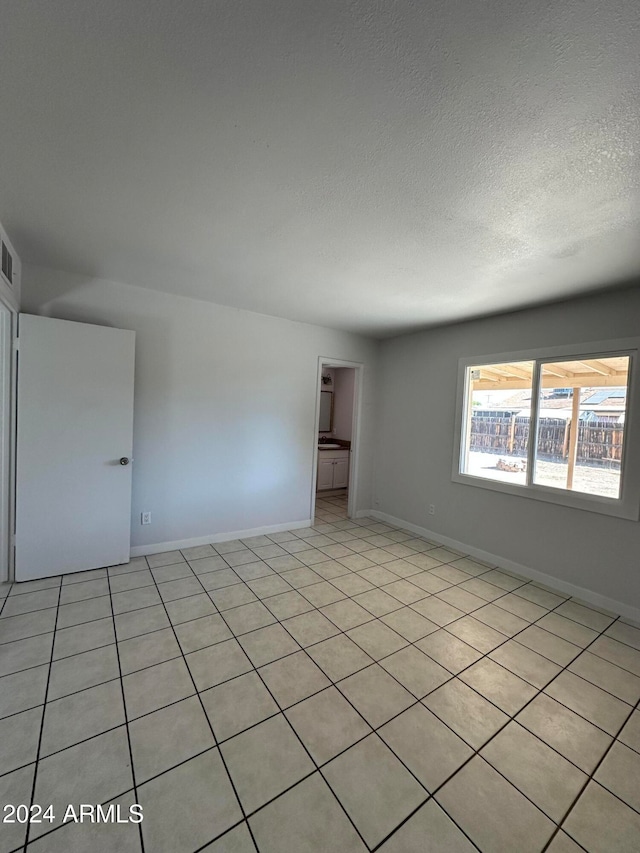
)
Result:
{"points": [[16, 343]]}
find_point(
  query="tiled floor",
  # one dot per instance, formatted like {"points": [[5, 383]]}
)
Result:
{"points": [[349, 687]]}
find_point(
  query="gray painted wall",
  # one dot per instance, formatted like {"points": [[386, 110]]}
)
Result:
{"points": [[414, 451], [216, 451], [216, 448]]}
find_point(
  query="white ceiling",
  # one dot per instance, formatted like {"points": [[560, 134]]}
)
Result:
{"points": [[373, 166]]}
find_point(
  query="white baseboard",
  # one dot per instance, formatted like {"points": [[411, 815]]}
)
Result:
{"points": [[366, 513], [161, 547], [587, 595]]}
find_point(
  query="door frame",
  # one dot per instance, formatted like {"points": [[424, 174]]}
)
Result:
{"points": [[356, 422], [8, 400]]}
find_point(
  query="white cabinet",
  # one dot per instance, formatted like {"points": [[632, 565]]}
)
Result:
{"points": [[333, 469], [341, 473], [325, 473]]}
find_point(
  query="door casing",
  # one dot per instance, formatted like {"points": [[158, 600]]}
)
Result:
{"points": [[354, 455]]}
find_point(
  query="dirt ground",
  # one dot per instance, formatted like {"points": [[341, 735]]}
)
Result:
{"points": [[588, 478]]}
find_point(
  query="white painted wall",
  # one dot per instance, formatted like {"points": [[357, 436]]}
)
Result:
{"points": [[215, 449], [414, 450], [343, 389]]}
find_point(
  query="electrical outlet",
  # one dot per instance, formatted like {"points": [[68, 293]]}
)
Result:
{"points": [[145, 518], [432, 509]]}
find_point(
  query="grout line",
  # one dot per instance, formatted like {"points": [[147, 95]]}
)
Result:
{"points": [[206, 716], [312, 608], [477, 751], [511, 717], [44, 709], [538, 690], [62, 825], [27, 612], [357, 711], [372, 661], [18, 589], [288, 722], [590, 777], [281, 711], [405, 578], [373, 618], [402, 605], [414, 812], [241, 822], [125, 712]]}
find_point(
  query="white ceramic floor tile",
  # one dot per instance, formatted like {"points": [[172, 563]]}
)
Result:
{"points": [[496, 816], [189, 805], [570, 734], [544, 776], [602, 823], [429, 830], [274, 663], [264, 761], [307, 819], [431, 750], [375, 788]]}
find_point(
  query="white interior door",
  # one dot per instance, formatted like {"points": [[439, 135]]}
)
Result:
{"points": [[75, 424]]}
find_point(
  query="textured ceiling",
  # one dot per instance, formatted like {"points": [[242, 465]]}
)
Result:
{"points": [[373, 166]]}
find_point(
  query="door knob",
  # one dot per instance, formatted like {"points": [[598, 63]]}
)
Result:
{"points": [[124, 460]]}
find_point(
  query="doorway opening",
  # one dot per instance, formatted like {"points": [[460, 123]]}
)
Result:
{"points": [[336, 441]]}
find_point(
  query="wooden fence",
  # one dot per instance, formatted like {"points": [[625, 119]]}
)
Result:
{"points": [[599, 442]]}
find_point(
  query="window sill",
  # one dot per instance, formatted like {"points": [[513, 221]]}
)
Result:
{"points": [[627, 509]]}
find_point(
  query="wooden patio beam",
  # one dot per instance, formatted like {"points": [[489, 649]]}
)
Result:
{"points": [[509, 370], [592, 380], [554, 370], [599, 367]]}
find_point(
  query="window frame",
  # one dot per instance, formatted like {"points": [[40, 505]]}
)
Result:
{"points": [[626, 506]]}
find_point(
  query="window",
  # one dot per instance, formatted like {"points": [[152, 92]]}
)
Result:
{"points": [[553, 425], [498, 403], [580, 436]]}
